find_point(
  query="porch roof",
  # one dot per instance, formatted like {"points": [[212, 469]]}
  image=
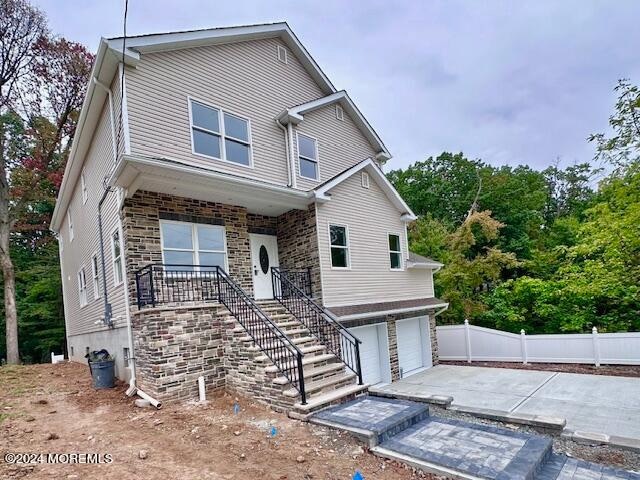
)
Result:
{"points": [[134, 172]]}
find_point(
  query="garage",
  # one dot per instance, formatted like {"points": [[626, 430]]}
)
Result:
{"points": [[414, 345], [374, 353]]}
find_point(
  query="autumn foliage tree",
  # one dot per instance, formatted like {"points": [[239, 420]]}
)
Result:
{"points": [[42, 80]]}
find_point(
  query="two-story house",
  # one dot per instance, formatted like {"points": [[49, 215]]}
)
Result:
{"points": [[224, 214]]}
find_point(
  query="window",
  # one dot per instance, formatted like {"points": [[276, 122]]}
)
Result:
{"points": [[339, 113], [70, 222], [339, 238], [125, 356], [72, 352], [220, 135], [95, 276], [308, 157], [82, 288], [116, 255], [193, 244], [282, 54], [83, 185], [365, 180], [395, 253]]}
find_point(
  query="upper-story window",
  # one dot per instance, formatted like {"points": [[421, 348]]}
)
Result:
{"points": [[70, 223], [308, 157], [339, 242], [82, 288], [95, 276], [219, 134], [395, 252], [83, 185]]}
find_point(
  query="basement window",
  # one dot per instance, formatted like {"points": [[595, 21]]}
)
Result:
{"points": [[125, 356]]}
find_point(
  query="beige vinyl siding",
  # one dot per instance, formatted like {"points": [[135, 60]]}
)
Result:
{"points": [[77, 253], [341, 144], [370, 217], [243, 78]]}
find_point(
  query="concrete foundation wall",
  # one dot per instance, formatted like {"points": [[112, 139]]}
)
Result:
{"points": [[114, 341]]}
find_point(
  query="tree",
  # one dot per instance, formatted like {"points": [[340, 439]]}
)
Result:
{"points": [[41, 97], [21, 25]]}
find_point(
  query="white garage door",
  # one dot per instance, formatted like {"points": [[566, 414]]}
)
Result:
{"points": [[369, 353], [410, 345]]}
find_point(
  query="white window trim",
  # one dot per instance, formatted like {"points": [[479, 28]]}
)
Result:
{"points": [[280, 48], [347, 246], [95, 275], [339, 112], [82, 288], [70, 224], [389, 252], [366, 181], [194, 239], [83, 186], [314, 160], [113, 259], [221, 133]]}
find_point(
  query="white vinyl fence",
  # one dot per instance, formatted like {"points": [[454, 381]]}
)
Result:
{"points": [[469, 342]]}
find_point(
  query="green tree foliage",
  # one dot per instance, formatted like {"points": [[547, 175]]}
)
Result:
{"points": [[555, 254]]}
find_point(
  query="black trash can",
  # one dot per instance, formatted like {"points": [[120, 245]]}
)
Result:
{"points": [[102, 368]]}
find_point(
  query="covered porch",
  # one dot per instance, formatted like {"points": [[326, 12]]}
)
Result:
{"points": [[181, 224]]}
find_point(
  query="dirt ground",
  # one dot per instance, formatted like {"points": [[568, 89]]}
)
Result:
{"points": [[614, 370], [54, 409]]}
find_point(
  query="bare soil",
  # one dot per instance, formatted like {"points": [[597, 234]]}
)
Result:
{"points": [[54, 409], [613, 370]]}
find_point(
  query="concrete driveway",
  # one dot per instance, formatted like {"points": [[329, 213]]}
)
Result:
{"points": [[589, 403]]}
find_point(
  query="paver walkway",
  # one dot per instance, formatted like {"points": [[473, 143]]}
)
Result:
{"points": [[404, 431]]}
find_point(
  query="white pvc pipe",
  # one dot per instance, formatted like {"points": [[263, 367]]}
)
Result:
{"points": [[201, 390], [148, 398]]}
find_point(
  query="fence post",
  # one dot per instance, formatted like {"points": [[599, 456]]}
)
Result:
{"points": [[467, 337], [523, 346], [596, 347]]}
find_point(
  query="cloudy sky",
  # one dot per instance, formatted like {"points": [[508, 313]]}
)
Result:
{"points": [[506, 81]]}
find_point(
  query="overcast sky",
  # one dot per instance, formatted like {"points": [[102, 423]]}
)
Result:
{"points": [[506, 81]]}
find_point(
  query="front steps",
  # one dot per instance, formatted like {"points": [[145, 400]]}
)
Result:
{"points": [[404, 431], [328, 381]]}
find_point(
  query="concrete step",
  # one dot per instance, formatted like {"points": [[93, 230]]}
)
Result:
{"points": [[325, 399], [311, 373], [324, 385], [306, 351], [315, 360]]}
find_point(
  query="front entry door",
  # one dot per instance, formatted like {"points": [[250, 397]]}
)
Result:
{"points": [[264, 255]]}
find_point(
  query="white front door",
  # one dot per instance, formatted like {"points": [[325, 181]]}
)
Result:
{"points": [[264, 255]]}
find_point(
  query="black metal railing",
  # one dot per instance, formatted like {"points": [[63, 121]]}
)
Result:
{"points": [[300, 277], [320, 322], [159, 284]]}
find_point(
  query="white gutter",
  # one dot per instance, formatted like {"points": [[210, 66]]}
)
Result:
{"points": [[356, 316]]}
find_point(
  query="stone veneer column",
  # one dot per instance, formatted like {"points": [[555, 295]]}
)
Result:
{"points": [[141, 224], [298, 244], [393, 348]]}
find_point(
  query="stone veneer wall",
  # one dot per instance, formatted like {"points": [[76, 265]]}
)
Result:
{"points": [[141, 224], [393, 340], [298, 244], [176, 345]]}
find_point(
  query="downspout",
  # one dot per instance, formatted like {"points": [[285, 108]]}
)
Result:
{"points": [[108, 314], [292, 164], [287, 153]]}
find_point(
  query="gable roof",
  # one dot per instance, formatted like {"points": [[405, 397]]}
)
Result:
{"points": [[295, 115], [322, 190]]}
